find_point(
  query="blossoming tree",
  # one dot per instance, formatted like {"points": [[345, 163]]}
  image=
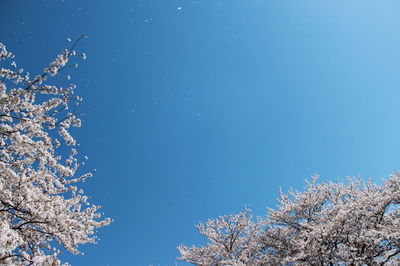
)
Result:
{"points": [[348, 223], [41, 209]]}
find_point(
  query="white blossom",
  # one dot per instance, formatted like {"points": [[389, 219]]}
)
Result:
{"points": [[347, 223], [41, 208]]}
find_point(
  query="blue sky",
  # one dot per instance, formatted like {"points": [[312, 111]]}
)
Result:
{"points": [[194, 109]]}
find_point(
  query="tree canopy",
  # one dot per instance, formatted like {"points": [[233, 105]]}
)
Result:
{"points": [[42, 211], [329, 223]]}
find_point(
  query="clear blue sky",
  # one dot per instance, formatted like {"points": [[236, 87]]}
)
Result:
{"points": [[195, 112]]}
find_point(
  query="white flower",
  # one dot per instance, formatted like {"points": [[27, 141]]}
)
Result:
{"points": [[38, 203]]}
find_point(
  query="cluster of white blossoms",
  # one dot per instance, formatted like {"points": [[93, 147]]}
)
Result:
{"points": [[347, 223], [41, 209]]}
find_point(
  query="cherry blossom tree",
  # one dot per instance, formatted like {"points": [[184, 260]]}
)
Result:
{"points": [[352, 223], [42, 211], [233, 238]]}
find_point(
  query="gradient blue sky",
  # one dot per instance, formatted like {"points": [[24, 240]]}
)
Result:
{"points": [[195, 113]]}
